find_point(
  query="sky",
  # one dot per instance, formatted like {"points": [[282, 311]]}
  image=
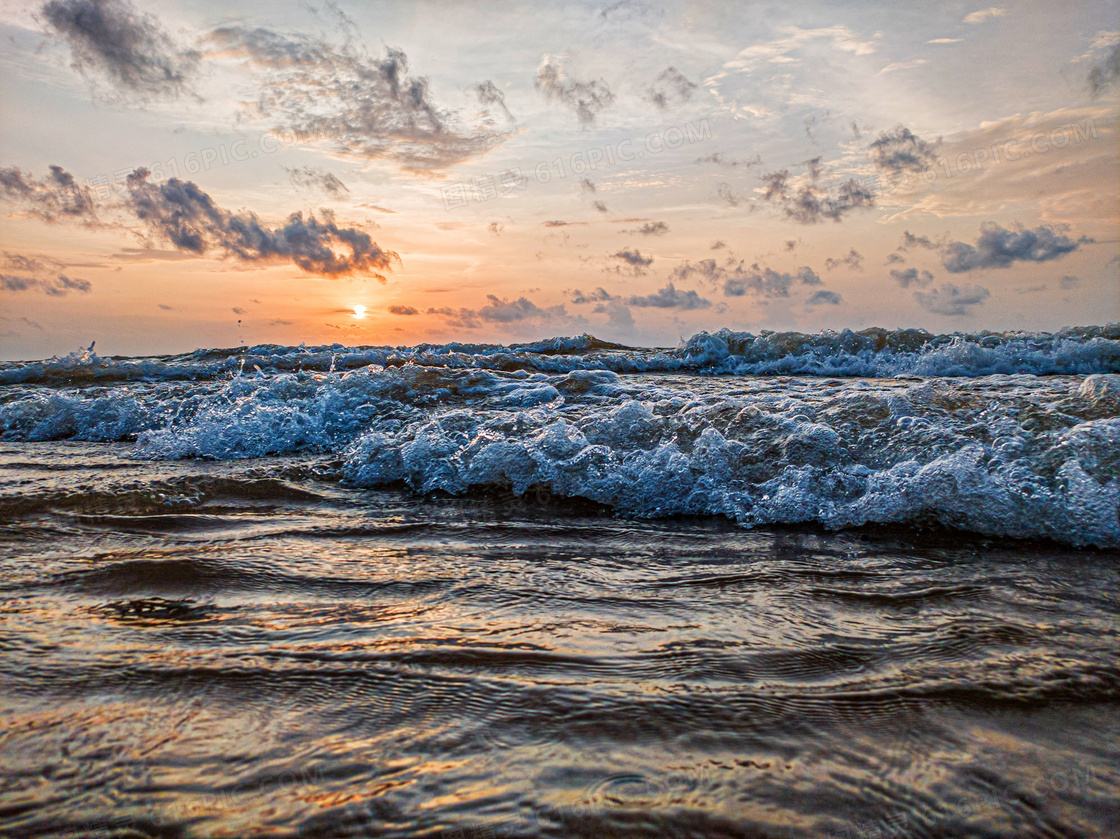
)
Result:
{"points": [[175, 177]]}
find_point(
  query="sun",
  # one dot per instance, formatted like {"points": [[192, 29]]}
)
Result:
{"points": [[359, 312]]}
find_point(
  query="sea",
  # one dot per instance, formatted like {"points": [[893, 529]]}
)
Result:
{"points": [[849, 584]]}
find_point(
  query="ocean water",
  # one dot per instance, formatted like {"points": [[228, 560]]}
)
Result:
{"points": [[847, 584]]}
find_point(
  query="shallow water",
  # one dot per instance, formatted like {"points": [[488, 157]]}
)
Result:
{"points": [[565, 589], [248, 648]]}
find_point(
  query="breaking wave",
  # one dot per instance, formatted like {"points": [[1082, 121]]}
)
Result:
{"points": [[972, 435]]}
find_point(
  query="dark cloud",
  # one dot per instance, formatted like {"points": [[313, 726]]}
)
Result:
{"points": [[1069, 281], [718, 244], [587, 99], [633, 257], [180, 213], [279, 322], [488, 94], [367, 106], [599, 295], [650, 228], [671, 88], [809, 204], [237, 310], [559, 223], [165, 307], [403, 310], [910, 240], [911, 276], [618, 314], [814, 167], [600, 206], [948, 299], [900, 150], [38, 273], [587, 185], [496, 227], [720, 159], [853, 260], [791, 245], [1106, 72], [895, 259], [670, 297], [310, 178], [114, 39], [737, 279], [457, 318], [1034, 289], [379, 209], [1000, 248], [57, 198], [506, 311], [824, 298], [726, 195]]}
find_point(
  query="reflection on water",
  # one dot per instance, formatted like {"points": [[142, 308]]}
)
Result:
{"points": [[249, 649]]}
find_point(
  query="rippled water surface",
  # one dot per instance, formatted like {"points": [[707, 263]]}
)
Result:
{"points": [[565, 589], [252, 648]]}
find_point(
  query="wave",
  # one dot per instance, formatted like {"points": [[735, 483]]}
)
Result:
{"points": [[1009, 455], [871, 352]]}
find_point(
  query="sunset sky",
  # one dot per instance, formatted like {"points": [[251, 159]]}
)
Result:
{"points": [[640, 171]]}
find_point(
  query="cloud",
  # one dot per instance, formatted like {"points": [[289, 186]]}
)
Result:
{"points": [[379, 209], [945, 41], [559, 223], [237, 310], [853, 260], [488, 94], [651, 228], [1069, 281], [903, 65], [809, 204], [599, 295], [310, 177], [718, 244], [40, 273], [791, 245], [618, 314], [112, 38], [984, 14], [587, 99], [1106, 72], [911, 276], [632, 257], [587, 185], [824, 298], [738, 280], [948, 299], [58, 198], [910, 240], [671, 88], [726, 195], [999, 248], [496, 227], [895, 259], [165, 307], [180, 213], [367, 106], [457, 318], [670, 297], [720, 159], [403, 310], [901, 150]]}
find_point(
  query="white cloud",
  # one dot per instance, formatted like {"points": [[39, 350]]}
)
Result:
{"points": [[903, 65], [984, 14]]}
